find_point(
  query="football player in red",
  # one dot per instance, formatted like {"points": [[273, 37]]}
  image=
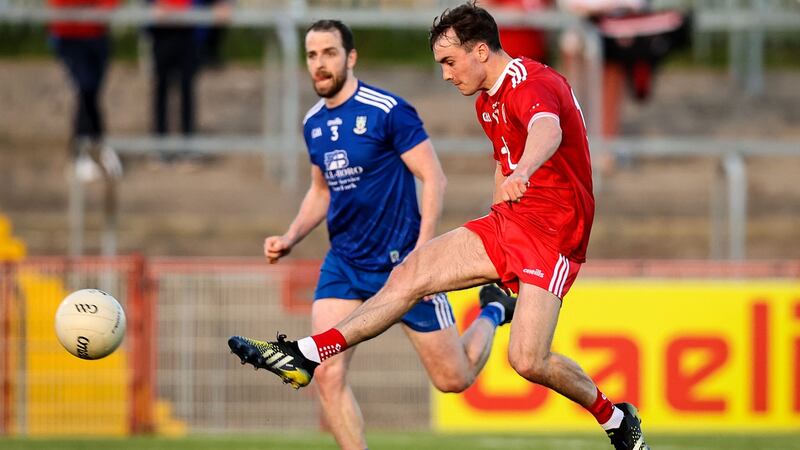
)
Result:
{"points": [[533, 240]]}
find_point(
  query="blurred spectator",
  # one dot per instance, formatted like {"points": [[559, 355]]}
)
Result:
{"points": [[635, 41], [520, 41], [84, 49], [209, 38], [177, 51]]}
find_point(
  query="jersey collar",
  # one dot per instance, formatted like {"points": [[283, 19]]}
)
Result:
{"points": [[501, 78]]}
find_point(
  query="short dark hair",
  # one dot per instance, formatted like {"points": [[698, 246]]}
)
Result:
{"points": [[471, 24], [344, 31]]}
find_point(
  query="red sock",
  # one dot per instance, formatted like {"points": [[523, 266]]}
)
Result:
{"points": [[329, 343], [602, 408]]}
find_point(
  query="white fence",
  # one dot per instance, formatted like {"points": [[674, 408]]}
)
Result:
{"points": [[201, 305]]}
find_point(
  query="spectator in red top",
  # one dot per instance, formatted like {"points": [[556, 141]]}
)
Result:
{"points": [[520, 40], [613, 73], [635, 40], [84, 49]]}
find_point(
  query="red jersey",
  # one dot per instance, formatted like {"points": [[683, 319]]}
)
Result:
{"points": [[80, 30], [559, 204]]}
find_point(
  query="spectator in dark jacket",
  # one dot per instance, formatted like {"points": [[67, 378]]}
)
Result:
{"points": [[176, 60]]}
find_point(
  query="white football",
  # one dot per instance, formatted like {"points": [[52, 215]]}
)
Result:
{"points": [[90, 323]]}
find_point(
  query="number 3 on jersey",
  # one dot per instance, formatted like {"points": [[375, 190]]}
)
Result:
{"points": [[335, 133]]}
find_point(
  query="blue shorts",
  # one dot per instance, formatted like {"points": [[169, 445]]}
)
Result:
{"points": [[338, 279]]}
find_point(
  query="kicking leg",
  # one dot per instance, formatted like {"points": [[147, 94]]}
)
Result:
{"points": [[335, 394], [455, 260]]}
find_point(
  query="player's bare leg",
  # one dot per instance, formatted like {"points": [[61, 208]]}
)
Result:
{"points": [[452, 261], [336, 397], [452, 361], [529, 346], [529, 353], [455, 260]]}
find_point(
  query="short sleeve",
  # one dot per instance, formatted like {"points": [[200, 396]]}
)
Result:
{"points": [[307, 139], [534, 99], [405, 128]]}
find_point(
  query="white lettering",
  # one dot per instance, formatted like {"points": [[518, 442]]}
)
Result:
{"points": [[346, 172], [534, 272]]}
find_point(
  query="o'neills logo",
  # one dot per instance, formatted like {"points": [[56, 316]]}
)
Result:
{"points": [[116, 324], [83, 347]]}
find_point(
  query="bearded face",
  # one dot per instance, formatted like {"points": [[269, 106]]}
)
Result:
{"points": [[329, 81], [326, 60]]}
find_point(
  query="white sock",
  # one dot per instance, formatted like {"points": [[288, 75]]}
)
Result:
{"points": [[309, 349], [615, 421]]}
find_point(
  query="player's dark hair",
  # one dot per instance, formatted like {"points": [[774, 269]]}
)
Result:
{"points": [[344, 31], [471, 24]]}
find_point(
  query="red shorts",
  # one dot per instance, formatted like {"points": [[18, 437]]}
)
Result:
{"points": [[518, 255]]}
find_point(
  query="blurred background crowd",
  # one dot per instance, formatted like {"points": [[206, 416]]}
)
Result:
{"points": [[188, 112]]}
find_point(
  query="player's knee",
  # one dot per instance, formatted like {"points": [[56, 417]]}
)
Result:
{"points": [[404, 272], [530, 367], [452, 383], [330, 379], [405, 281], [451, 375]]}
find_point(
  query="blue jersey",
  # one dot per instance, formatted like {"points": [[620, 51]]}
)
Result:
{"points": [[373, 217]]}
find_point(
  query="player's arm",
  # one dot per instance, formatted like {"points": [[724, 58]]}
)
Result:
{"points": [[424, 164], [544, 137], [312, 210]]}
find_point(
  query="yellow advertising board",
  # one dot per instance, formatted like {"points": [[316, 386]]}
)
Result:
{"points": [[697, 355]]}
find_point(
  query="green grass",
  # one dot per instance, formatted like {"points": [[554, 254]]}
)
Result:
{"points": [[412, 441]]}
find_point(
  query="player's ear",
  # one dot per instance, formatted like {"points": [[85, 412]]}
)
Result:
{"points": [[482, 51], [351, 58]]}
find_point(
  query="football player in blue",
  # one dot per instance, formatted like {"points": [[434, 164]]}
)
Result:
{"points": [[366, 146]]}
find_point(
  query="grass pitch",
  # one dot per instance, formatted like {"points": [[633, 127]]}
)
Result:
{"points": [[411, 441]]}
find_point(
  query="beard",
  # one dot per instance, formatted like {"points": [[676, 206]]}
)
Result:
{"points": [[337, 78]]}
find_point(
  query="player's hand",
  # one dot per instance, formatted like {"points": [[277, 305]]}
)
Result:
{"points": [[514, 187], [276, 247]]}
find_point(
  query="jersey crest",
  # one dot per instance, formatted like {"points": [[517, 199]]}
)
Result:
{"points": [[361, 125]]}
